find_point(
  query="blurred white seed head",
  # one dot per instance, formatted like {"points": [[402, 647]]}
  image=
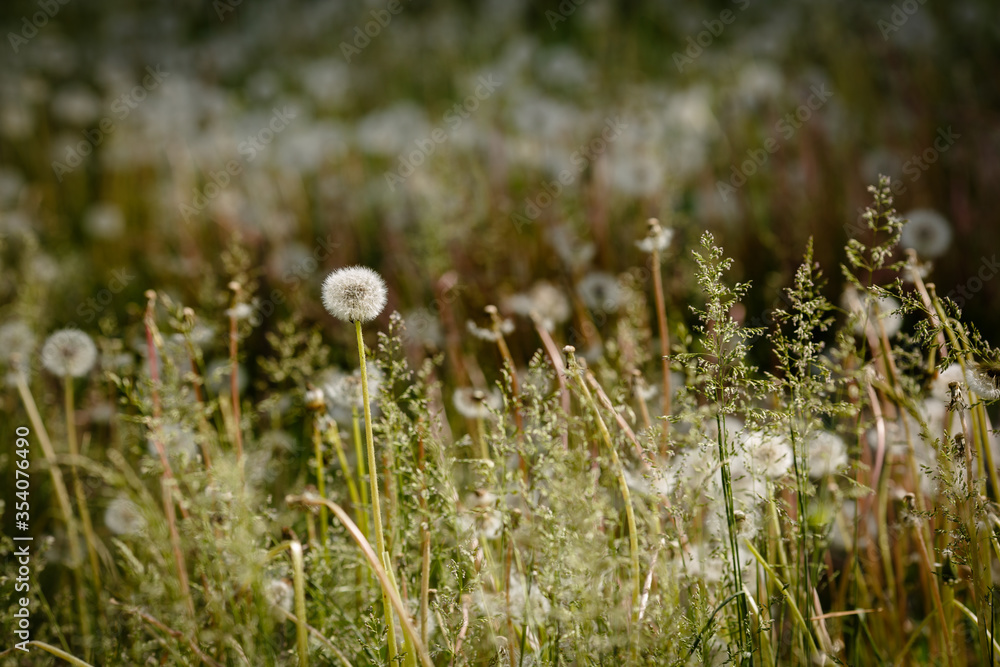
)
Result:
{"points": [[985, 381], [280, 593], [354, 294], [658, 238], [600, 292], [69, 353], [827, 454], [475, 403], [123, 517], [927, 232], [878, 308], [17, 340]]}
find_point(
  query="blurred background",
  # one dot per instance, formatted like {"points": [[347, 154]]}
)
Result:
{"points": [[469, 150]]}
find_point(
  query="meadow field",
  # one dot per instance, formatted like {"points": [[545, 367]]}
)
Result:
{"points": [[499, 333]]}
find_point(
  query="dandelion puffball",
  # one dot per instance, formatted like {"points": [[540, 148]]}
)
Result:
{"points": [[69, 352], [123, 517], [354, 294], [927, 232]]}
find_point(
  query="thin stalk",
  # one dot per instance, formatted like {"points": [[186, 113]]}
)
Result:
{"points": [[81, 497], [299, 582], [175, 542], [373, 479], [234, 389], [352, 490], [661, 323], [320, 484], [360, 458], [425, 543]]}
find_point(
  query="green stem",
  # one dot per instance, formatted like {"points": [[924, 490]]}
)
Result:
{"points": [[373, 479], [299, 580], [320, 485]]}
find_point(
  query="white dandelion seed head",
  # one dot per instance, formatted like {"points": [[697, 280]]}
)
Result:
{"points": [[984, 382], [354, 294], [659, 242], [280, 593], [767, 456], [545, 300], [927, 232], [475, 403], [69, 353], [827, 454], [16, 340], [123, 517], [600, 292]]}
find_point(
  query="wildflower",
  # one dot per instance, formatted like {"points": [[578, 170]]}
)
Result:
{"points": [[658, 238], [984, 380], [354, 294], [827, 454], [69, 353], [123, 517], [927, 232], [600, 292], [475, 403]]}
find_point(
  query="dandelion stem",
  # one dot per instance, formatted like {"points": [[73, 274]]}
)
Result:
{"points": [[81, 496], [321, 484], [373, 479], [661, 323], [299, 576]]}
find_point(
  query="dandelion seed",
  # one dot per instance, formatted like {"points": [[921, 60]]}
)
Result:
{"points": [[475, 403], [354, 294], [123, 517], [927, 232], [984, 380], [827, 455], [69, 353]]}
